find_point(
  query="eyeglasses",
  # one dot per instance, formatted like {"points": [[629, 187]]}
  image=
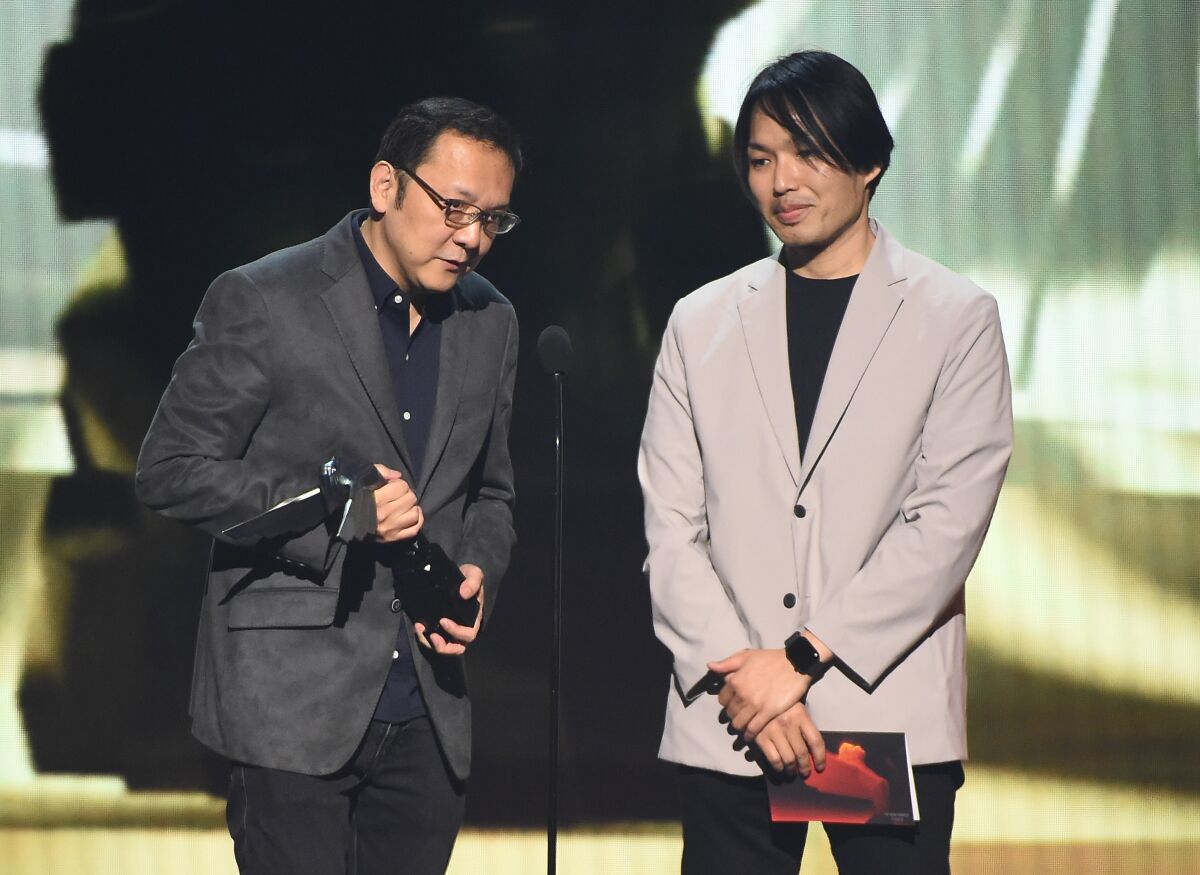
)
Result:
{"points": [[460, 214]]}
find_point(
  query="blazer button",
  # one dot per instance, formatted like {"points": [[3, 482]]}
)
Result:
{"points": [[799, 511], [789, 600], [395, 606]]}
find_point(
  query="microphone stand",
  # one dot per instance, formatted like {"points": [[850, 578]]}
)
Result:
{"points": [[556, 641]]}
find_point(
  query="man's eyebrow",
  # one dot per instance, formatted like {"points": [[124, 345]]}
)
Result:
{"points": [[465, 194], [759, 146]]}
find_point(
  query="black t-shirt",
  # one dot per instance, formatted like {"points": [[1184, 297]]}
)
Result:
{"points": [[814, 314]]}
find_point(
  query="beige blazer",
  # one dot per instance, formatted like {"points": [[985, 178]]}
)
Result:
{"points": [[909, 445]]}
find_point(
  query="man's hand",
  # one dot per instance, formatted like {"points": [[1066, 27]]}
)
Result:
{"points": [[452, 639], [792, 742], [397, 514], [759, 686]]}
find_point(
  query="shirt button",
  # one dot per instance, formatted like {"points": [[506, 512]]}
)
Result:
{"points": [[395, 654], [799, 511], [395, 606], [399, 299], [789, 600], [407, 416]]}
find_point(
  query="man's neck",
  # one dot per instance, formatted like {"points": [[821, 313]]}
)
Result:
{"points": [[844, 256], [416, 298]]}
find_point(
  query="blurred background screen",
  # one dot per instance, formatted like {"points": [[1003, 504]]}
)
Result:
{"points": [[1048, 150]]}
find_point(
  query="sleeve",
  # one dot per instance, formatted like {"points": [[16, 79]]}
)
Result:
{"points": [[488, 534], [191, 467], [693, 614], [922, 561]]}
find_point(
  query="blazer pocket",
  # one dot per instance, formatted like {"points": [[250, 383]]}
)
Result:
{"points": [[278, 608]]}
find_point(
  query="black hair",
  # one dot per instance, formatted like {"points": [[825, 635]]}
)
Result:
{"points": [[411, 134], [827, 106]]}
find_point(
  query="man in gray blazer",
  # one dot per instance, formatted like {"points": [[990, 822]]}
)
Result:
{"points": [[348, 723], [826, 437]]}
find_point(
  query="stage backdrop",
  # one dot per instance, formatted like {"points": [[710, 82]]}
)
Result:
{"points": [[1048, 150]]}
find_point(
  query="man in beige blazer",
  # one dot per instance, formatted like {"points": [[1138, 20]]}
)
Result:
{"points": [[826, 437]]}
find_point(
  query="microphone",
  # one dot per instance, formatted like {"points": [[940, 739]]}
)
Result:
{"points": [[555, 355], [554, 350]]}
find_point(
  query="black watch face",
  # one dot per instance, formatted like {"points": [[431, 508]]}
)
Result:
{"points": [[801, 653]]}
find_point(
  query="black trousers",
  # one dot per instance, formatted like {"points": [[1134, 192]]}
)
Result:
{"points": [[394, 808], [727, 829]]}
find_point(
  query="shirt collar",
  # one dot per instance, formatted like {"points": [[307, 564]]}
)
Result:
{"points": [[384, 289]]}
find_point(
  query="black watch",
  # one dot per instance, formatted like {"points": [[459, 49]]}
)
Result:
{"points": [[803, 656]]}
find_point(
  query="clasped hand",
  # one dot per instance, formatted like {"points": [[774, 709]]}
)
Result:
{"points": [[763, 698]]}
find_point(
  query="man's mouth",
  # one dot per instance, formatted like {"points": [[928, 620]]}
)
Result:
{"points": [[790, 214]]}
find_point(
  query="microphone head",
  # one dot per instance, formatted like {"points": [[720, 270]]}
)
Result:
{"points": [[554, 350]]}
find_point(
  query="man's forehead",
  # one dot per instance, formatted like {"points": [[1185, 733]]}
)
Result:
{"points": [[779, 122], [452, 147], [766, 131], [468, 168]]}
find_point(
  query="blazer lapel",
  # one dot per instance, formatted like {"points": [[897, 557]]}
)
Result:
{"points": [[349, 303], [455, 359], [764, 327], [876, 298]]}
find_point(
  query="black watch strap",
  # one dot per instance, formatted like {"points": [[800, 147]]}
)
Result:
{"points": [[803, 656]]}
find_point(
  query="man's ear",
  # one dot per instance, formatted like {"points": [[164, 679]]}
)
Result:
{"points": [[870, 175], [384, 187]]}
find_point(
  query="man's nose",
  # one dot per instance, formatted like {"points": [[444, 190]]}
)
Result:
{"points": [[787, 175], [469, 237]]}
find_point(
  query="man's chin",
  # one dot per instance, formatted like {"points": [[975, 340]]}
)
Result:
{"points": [[440, 286], [793, 236]]}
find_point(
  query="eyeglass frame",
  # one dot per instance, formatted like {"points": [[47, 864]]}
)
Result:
{"points": [[449, 205]]}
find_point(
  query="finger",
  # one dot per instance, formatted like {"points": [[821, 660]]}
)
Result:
{"points": [[395, 491], [771, 753], [757, 722], [801, 764], [399, 517], [387, 495], [740, 717], [444, 647], [471, 587], [422, 639], [386, 472], [391, 505], [465, 634], [815, 744], [788, 753], [730, 663], [410, 531]]}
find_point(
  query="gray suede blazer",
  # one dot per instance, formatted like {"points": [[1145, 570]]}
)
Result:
{"points": [[286, 368]]}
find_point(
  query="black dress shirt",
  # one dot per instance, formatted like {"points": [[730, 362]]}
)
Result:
{"points": [[814, 315], [414, 360]]}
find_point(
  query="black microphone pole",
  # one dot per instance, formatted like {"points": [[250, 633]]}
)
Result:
{"points": [[555, 354]]}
